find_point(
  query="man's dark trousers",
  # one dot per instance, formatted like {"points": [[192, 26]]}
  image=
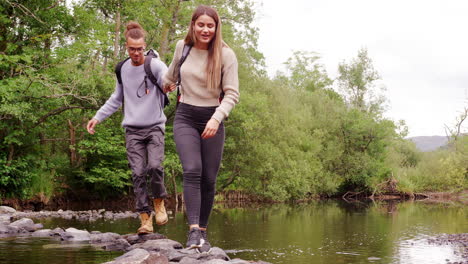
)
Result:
{"points": [[145, 152]]}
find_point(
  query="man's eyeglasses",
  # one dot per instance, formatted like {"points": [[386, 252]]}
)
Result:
{"points": [[133, 50]]}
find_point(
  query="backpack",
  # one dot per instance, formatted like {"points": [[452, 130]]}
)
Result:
{"points": [[150, 54], [185, 53]]}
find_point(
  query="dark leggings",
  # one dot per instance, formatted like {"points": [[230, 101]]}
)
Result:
{"points": [[200, 160]]}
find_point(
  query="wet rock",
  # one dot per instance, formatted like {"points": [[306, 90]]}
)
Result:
{"points": [[15, 230], [67, 215], [4, 229], [104, 237], [189, 260], [157, 245], [117, 245], [108, 215], [42, 233], [177, 255], [57, 232], [219, 253], [127, 214], [6, 210], [216, 261], [460, 240], [139, 256], [25, 224], [215, 254], [73, 234], [164, 246], [239, 261], [5, 219], [134, 239]]}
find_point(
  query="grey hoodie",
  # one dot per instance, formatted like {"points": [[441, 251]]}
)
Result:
{"points": [[141, 109]]}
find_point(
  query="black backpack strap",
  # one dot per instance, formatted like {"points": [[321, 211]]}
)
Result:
{"points": [[118, 74], [149, 73], [185, 53], [118, 70]]}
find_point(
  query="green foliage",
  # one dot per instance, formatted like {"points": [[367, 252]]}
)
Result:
{"points": [[15, 177], [357, 81], [105, 170], [441, 170], [291, 137]]}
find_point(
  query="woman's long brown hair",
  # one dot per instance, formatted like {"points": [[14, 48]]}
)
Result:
{"points": [[213, 68]]}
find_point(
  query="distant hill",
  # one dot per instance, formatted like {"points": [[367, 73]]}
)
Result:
{"points": [[429, 143]]}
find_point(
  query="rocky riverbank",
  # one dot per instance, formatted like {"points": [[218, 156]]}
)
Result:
{"points": [[459, 240], [150, 248]]}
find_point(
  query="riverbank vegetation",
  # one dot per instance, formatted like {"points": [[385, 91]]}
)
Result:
{"points": [[295, 135]]}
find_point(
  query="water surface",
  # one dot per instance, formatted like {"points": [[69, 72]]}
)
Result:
{"points": [[316, 232]]}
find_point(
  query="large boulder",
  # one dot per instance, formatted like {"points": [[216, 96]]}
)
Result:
{"points": [[157, 245], [140, 256], [73, 234], [188, 260], [57, 232], [25, 224], [4, 229], [134, 238], [42, 233], [104, 237], [7, 210], [5, 219], [215, 254], [239, 261], [117, 245]]}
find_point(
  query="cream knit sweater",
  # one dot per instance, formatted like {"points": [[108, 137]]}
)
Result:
{"points": [[194, 90]]}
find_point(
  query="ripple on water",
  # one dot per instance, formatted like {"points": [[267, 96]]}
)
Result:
{"points": [[418, 250]]}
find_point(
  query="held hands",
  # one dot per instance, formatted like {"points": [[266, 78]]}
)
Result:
{"points": [[210, 129], [91, 124], [169, 88]]}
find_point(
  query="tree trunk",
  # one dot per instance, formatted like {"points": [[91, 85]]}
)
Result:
{"points": [[72, 145], [117, 34], [104, 65], [47, 47], [163, 50], [168, 31], [11, 152]]}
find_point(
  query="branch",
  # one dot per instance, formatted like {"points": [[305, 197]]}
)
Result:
{"points": [[463, 117], [56, 112], [53, 5], [83, 98], [25, 10]]}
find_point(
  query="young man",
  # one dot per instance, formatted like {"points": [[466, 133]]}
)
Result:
{"points": [[144, 123]]}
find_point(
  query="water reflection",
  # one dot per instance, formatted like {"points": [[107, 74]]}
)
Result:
{"points": [[317, 232], [419, 251]]}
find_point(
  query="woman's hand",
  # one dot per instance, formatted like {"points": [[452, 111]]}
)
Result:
{"points": [[210, 128], [169, 88]]}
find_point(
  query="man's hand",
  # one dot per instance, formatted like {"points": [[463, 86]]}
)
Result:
{"points": [[210, 128], [169, 88], [91, 124]]}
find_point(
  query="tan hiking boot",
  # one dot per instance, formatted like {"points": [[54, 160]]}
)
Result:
{"points": [[146, 224], [160, 211]]}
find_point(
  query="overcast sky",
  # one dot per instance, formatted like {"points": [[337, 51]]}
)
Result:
{"points": [[419, 47]]}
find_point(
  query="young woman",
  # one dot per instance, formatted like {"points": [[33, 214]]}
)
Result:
{"points": [[209, 71]]}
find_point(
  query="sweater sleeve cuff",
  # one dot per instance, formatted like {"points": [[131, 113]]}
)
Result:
{"points": [[218, 116], [99, 117]]}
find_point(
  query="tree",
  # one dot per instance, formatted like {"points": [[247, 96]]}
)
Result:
{"points": [[357, 81], [306, 73]]}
